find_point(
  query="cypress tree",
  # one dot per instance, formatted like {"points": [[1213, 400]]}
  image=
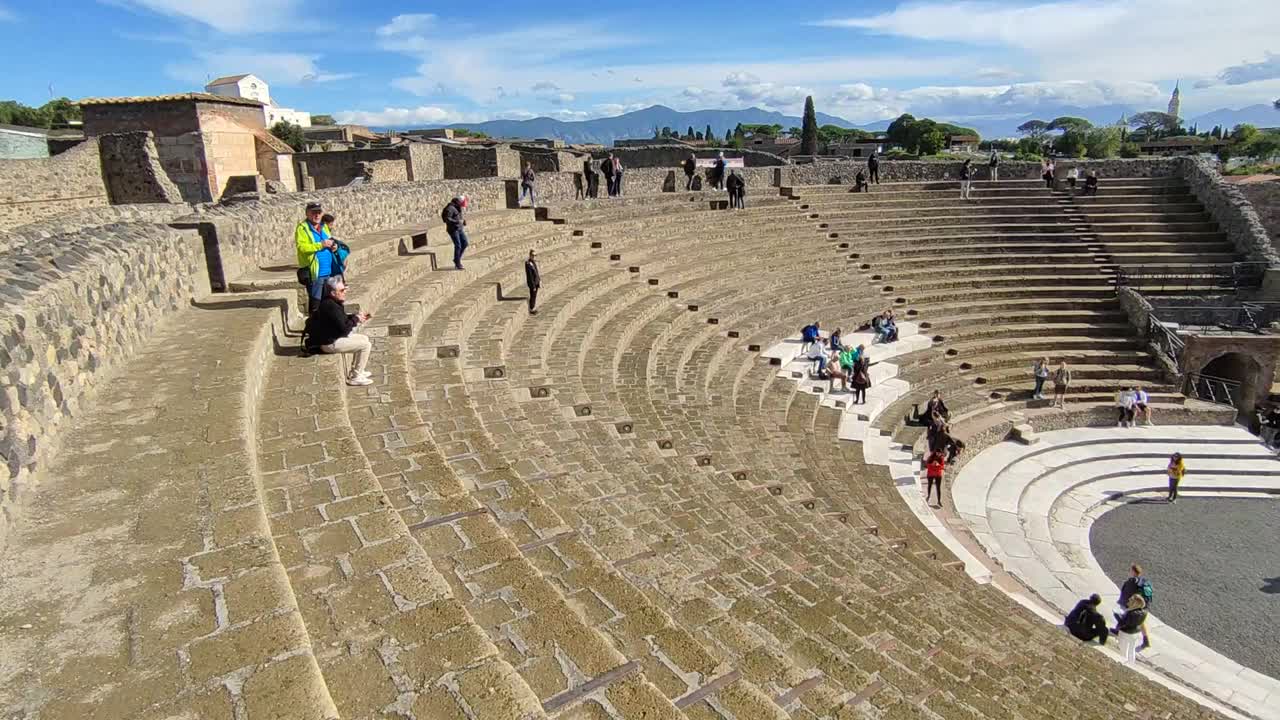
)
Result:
{"points": [[809, 132], [708, 134]]}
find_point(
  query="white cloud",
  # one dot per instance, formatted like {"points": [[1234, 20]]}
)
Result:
{"points": [[406, 24], [1247, 72], [1115, 39], [228, 16], [278, 69], [399, 117], [997, 74]]}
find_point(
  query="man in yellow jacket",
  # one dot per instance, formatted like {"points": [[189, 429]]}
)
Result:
{"points": [[314, 245]]}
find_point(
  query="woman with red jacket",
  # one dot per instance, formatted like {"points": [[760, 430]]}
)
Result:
{"points": [[934, 465]]}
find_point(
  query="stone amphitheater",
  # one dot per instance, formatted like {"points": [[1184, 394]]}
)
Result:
{"points": [[635, 504]]}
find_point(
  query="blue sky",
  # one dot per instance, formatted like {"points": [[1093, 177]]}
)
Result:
{"points": [[380, 62]]}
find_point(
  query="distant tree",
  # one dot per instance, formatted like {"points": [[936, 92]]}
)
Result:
{"points": [[1070, 143], [728, 136], [1153, 124], [795, 132], [323, 120], [900, 130], [739, 132], [1067, 122], [666, 132], [1102, 142], [1028, 146], [928, 138], [1034, 129], [809, 129], [1216, 132], [1276, 104], [1130, 150], [698, 135], [708, 134], [291, 134], [463, 132], [1243, 133], [689, 135], [59, 110], [657, 132]]}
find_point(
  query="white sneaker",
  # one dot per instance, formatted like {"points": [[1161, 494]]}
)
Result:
{"points": [[364, 374], [359, 381]]}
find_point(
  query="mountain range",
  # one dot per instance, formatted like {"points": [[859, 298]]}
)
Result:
{"points": [[640, 123]]}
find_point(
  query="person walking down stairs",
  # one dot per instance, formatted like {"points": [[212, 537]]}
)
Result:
{"points": [[526, 185], [455, 223]]}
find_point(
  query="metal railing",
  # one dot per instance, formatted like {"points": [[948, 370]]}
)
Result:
{"points": [[1212, 389], [1220, 276], [1165, 339]]}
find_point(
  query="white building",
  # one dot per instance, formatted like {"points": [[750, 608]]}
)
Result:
{"points": [[252, 87]]}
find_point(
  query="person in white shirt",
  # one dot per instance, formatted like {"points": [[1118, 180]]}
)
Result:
{"points": [[1072, 176], [1125, 402], [1142, 404], [818, 354]]}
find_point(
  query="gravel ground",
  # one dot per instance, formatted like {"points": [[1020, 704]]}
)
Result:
{"points": [[1214, 565]]}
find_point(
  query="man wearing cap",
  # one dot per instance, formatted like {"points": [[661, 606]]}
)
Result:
{"points": [[314, 243], [455, 224]]}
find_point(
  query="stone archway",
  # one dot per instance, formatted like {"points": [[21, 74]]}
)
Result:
{"points": [[1240, 368]]}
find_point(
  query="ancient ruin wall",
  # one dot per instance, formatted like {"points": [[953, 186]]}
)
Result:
{"points": [[1230, 209], [33, 189], [670, 156], [73, 307], [1265, 199], [132, 170], [461, 163]]}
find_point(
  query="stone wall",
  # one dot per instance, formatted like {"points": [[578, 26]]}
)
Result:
{"points": [[825, 172], [670, 156], [336, 169], [37, 188], [426, 162], [230, 143], [385, 171], [259, 233], [132, 170], [1230, 208], [465, 162], [73, 307], [1265, 199]]}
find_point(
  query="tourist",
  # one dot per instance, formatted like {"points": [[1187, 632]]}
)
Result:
{"points": [[1085, 622], [1125, 403], [836, 372], [1129, 626], [579, 187], [532, 280], [329, 329], [1047, 173], [592, 178], [836, 343], [884, 326], [861, 375], [860, 182], [1137, 586], [1041, 373], [994, 164], [612, 168], [313, 242], [341, 251], [818, 355], [847, 359], [1176, 469], [690, 169], [934, 466], [1091, 183], [873, 167], [1271, 425], [1142, 404], [526, 185], [717, 172], [737, 190], [966, 170], [937, 406], [455, 222], [1072, 176], [1061, 381], [810, 334]]}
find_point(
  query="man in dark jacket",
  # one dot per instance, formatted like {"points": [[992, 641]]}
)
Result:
{"points": [[526, 185], [329, 329], [455, 224], [690, 168], [873, 167], [612, 169], [591, 178], [1085, 622], [1140, 586], [533, 279], [737, 191]]}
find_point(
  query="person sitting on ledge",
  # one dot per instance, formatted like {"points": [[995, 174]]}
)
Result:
{"points": [[1091, 183], [818, 355], [1085, 622], [886, 330], [329, 330], [1126, 401], [936, 405], [810, 334], [836, 344], [860, 182]]}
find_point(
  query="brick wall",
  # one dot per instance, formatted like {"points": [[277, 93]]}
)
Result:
{"points": [[37, 188], [336, 169], [386, 171], [461, 162], [230, 145], [1230, 209], [75, 306], [132, 170], [426, 162], [1265, 199]]}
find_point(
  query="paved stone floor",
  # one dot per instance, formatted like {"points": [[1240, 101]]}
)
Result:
{"points": [[1214, 566]]}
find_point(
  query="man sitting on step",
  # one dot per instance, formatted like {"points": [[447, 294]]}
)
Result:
{"points": [[329, 330], [1126, 403], [818, 354], [1091, 183], [1086, 623]]}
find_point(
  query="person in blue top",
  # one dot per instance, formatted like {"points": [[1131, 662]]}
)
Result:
{"points": [[809, 334], [314, 245]]}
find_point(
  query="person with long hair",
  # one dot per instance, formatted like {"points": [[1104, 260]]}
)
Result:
{"points": [[1176, 469]]}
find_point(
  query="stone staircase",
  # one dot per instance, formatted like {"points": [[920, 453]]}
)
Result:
{"points": [[614, 509]]}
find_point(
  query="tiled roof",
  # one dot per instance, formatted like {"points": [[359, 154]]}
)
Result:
{"points": [[179, 97], [228, 80]]}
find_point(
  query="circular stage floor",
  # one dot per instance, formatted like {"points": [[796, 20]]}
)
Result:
{"points": [[1215, 567]]}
